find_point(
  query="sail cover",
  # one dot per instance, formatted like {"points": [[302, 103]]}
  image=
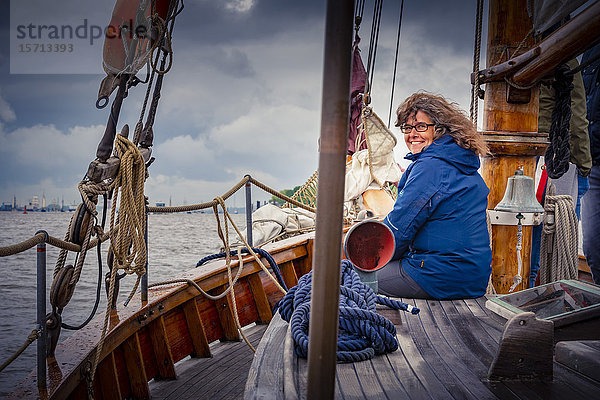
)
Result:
{"points": [[546, 13]]}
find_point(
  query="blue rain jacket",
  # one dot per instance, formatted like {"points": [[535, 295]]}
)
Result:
{"points": [[439, 222]]}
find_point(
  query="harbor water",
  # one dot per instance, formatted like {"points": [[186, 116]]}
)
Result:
{"points": [[176, 242]]}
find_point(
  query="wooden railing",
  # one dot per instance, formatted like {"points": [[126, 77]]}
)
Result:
{"points": [[146, 340]]}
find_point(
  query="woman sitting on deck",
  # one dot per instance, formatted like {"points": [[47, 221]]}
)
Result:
{"points": [[439, 219]]}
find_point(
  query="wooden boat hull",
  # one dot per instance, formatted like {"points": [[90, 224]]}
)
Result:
{"points": [[146, 340]]}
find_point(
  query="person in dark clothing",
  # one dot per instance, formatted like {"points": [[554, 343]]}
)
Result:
{"points": [[590, 213], [439, 218]]}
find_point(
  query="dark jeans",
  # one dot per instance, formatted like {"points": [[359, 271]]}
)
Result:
{"points": [[590, 221], [393, 281]]}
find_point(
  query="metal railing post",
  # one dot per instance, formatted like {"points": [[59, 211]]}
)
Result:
{"points": [[249, 212], [144, 288], [41, 312]]}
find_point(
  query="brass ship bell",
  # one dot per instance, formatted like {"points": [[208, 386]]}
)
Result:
{"points": [[519, 196]]}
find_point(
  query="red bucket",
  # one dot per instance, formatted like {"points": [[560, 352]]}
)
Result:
{"points": [[369, 245]]}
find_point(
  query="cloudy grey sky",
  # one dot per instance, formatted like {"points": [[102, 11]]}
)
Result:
{"points": [[243, 96]]}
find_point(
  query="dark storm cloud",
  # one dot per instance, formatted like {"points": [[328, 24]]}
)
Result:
{"points": [[250, 75]]}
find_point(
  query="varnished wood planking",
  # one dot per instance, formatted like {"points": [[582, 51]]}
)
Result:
{"points": [[148, 352], [80, 392], [306, 262], [178, 334], [108, 379], [273, 293], [135, 368], [260, 298], [196, 329], [122, 372], [226, 318], [210, 318], [245, 303], [162, 351], [289, 274]]}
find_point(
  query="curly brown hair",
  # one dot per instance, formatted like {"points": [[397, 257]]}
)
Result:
{"points": [[447, 117]]}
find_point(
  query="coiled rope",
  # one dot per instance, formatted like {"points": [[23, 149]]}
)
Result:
{"points": [[362, 332], [559, 253], [261, 252], [558, 152], [127, 243]]}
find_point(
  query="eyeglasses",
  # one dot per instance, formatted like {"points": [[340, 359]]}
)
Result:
{"points": [[420, 127]]}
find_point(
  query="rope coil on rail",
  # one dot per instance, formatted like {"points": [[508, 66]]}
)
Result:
{"points": [[261, 252], [558, 251], [362, 332]]}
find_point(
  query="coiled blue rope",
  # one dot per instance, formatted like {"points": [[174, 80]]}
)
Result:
{"points": [[362, 332], [260, 252]]}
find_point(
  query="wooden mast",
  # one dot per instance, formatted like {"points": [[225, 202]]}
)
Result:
{"points": [[510, 122], [335, 116]]}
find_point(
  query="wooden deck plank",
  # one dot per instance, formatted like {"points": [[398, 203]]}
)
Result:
{"points": [[387, 385], [428, 353], [492, 324], [351, 389], [459, 380], [418, 365], [268, 358], [466, 363], [195, 374], [220, 376], [369, 382], [471, 332], [406, 375]]}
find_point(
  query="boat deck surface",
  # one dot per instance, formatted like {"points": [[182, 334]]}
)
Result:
{"points": [[445, 353], [221, 377]]}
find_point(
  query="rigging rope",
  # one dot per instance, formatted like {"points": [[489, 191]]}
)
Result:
{"points": [[377, 7], [395, 64], [127, 243], [362, 332], [33, 336], [476, 58]]}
